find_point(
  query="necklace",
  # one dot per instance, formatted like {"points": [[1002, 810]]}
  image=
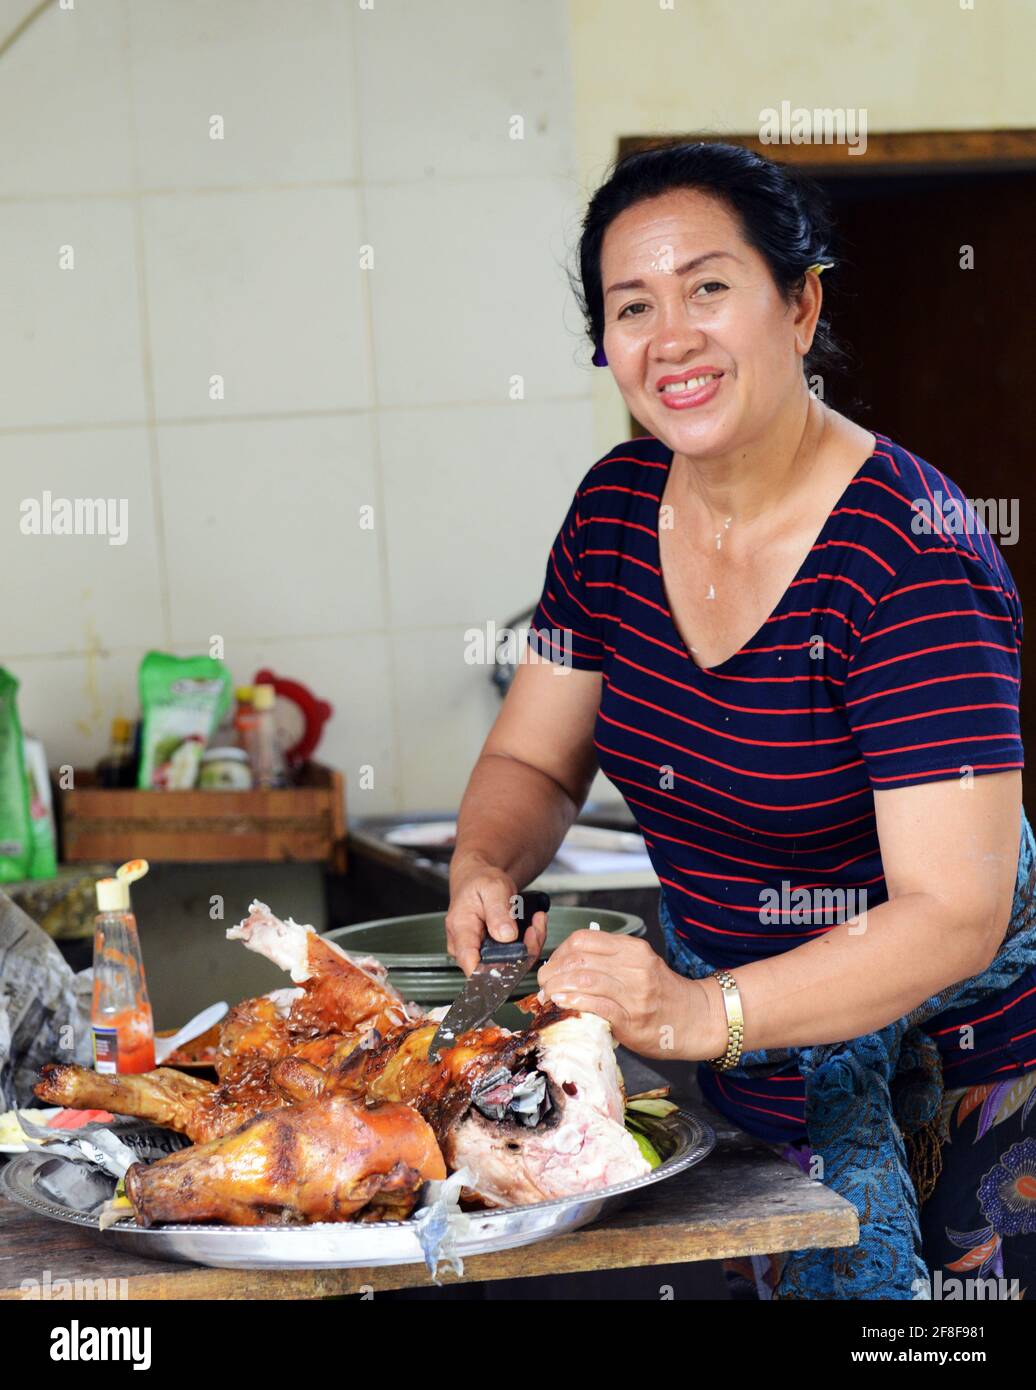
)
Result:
{"points": [[719, 546]]}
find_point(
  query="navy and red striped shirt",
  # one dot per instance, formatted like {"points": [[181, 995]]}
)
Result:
{"points": [[893, 658]]}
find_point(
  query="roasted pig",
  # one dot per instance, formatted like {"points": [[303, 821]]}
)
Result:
{"points": [[532, 1115], [329, 1161], [396, 1067], [331, 1068], [342, 999]]}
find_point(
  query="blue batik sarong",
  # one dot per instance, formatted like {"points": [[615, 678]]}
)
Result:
{"points": [[862, 1097]]}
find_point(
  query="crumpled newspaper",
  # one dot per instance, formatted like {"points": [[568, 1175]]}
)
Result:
{"points": [[99, 1147], [439, 1223], [100, 1158], [44, 1007]]}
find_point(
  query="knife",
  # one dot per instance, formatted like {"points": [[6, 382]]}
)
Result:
{"points": [[502, 964]]}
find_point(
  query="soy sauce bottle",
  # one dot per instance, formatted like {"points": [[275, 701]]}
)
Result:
{"points": [[120, 1014]]}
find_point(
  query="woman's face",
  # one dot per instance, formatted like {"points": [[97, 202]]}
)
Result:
{"points": [[720, 317]]}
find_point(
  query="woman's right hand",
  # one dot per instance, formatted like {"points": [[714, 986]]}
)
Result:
{"points": [[481, 901]]}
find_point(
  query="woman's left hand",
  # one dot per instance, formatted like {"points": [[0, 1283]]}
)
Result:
{"points": [[651, 1009]]}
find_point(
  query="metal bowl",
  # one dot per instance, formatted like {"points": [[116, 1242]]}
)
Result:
{"points": [[414, 951], [682, 1139], [419, 942]]}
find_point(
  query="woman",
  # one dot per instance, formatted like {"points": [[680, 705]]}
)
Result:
{"points": [[801, 670]]}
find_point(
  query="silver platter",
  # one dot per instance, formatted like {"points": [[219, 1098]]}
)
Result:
{"points": [[682, 1139]]}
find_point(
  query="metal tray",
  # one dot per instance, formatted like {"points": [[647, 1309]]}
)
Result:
{"points": [[682, 1139]]}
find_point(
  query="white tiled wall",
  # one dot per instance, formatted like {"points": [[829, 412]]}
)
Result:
{"points": [[391, 387]]}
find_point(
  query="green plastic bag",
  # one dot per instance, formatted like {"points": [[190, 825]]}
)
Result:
{"points": [[16, 838], [183, 699]]}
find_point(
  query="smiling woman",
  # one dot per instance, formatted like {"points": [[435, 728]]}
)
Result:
{"points": [[802, 694], [782, 217]]}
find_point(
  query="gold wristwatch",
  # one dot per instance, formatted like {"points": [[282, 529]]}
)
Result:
{"points": [[735, 1022]]}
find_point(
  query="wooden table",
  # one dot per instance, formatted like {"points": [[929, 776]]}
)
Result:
{"points": [[741, 1200]]}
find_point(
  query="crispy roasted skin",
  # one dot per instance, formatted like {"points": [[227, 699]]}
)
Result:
{"points": [[397, 1068], [338, 1005], [164, 1096], [259, 1079], [254, 1030], [248, 1092], [341, 997], [189, 1104], [327, 1161], [339, 993]]}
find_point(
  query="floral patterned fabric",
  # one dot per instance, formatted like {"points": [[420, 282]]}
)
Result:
{"points": [[979, 1222], [874, 1106]]}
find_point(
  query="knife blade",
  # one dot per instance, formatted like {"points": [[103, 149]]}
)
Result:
{"points": [[501, 965]]}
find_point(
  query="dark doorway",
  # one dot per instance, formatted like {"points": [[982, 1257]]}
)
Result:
{"points": [[941, 354]]}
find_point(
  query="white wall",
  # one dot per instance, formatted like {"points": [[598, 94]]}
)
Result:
{"points": [[345, 387]]}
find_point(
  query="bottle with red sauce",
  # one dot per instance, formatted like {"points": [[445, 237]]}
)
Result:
{"points": [[120, 1015]]}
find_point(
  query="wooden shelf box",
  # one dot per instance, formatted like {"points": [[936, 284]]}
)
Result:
{"points": [[305, 822]]}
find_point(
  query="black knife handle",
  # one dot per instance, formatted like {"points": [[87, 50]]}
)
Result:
{"points": [[526, 908]]}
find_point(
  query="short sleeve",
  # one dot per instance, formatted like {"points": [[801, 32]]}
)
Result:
{"points": [[564, 628], [933, 681]]}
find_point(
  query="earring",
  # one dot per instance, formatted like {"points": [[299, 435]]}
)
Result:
{"points": [[599, 359]]}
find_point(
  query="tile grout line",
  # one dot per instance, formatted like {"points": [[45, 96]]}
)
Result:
{"points": [[356, 18], [302, 185], [109, 649], [265, 417], [144, 328]]}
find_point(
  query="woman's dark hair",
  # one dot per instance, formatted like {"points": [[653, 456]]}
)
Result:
{"points": [[783, 215]]}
